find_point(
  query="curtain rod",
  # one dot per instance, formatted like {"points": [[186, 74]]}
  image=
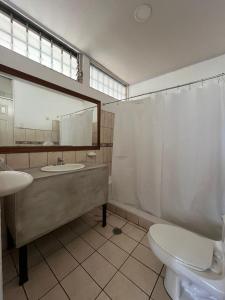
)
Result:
{"points": [[166, 89], [75, 112]]}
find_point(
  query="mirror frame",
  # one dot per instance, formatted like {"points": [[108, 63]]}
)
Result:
{"points": [[27, 149]]}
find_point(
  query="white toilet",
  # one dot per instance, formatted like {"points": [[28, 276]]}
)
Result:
{"points": [[195, 265]]}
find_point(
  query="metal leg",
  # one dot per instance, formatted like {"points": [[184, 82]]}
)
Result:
{"points": [[104, 207], [10, 241], [23, 271]]}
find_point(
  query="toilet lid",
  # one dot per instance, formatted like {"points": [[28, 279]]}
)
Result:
{"points": [[186, 246]]}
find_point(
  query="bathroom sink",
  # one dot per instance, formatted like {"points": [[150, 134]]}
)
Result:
{"points": [[63, 168], [13, 181]]}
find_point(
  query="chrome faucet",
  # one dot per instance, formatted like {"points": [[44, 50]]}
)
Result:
{"points": [[3, 165], [60, 161]]}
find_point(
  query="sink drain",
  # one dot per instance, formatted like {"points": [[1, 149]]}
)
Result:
{"points": [[117, 230]]}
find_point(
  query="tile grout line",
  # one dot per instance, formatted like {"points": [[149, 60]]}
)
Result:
{"points": [[58, 282], [109, 239], [17, 276], [93, 227], [79, 264]]}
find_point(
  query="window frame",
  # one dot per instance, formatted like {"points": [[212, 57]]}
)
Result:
{"points": [[31, 26], [5, 70], [111, 82]]}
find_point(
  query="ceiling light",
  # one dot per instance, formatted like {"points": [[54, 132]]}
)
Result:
{"points": [[142, 13]]}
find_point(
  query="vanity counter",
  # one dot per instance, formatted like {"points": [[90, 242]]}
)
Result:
{"points": [[38, 174]]}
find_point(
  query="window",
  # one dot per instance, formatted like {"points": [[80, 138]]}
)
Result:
{"points": [[24, 37], [104, 83]]}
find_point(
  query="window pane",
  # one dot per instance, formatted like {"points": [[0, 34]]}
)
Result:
{"points": [[46, 52], [19, 38], [33, 45], [56, 58], [66, 63], [104, 83], [74, 67], [5, 31]]}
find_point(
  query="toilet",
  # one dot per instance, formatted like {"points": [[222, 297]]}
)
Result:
{"points": [[195, 267]]}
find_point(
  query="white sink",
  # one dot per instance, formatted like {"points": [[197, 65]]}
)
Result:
{"points": [[13, 181], [63, 168]]}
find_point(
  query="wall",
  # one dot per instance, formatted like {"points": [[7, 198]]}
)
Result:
{"points": [[36, 107], [21, 63], [24, 64], [191, 73]]}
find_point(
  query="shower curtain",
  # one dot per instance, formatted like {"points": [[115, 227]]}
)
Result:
{"points": [[169, 157], [76, 129]]}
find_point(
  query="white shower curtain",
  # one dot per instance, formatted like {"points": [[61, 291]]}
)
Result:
{"points": [[76, 129], [169, 157]]}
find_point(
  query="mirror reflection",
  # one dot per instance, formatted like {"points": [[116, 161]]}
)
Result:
{"points": [[33, 115]]}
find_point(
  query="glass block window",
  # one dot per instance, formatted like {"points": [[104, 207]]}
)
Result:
{"points": [[104, 83], [24, 37]]}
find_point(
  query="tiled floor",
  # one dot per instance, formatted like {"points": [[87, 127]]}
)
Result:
{"points": [[83, 261]]}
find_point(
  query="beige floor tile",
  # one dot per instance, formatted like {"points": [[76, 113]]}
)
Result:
{"points": [[79, 249], [103, 296], [65, 234], [61, 263], [106, 231], [116, 221], [79, 226], [124, 242], [34, 256], [147, 257], [120, 288], [99, 269], [12, 291], [159, 292], [163, 272], [9, 270], [139, 274], [133, 232], [145, 241], [48, 244], [41, 280], [90, 219], [80, 286], [114, 254], [57, 293], [96, 212], [95, 239]]}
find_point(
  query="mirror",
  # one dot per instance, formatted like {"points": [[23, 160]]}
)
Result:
{"points": [[34, 115]]}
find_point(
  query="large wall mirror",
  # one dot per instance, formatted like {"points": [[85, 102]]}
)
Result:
{"points": [[36, 115]]}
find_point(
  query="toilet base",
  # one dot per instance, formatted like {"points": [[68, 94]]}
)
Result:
{"points": [[172, 284], [180, 288]]}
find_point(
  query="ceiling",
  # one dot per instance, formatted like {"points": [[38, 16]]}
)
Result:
{"points": [[179, 33]]}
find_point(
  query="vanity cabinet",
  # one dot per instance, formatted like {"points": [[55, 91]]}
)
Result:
{"points": [[52, 200]]}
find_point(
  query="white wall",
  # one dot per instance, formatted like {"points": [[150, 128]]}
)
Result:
{"points": [[24, 64], [194, 72], [36, 106]]}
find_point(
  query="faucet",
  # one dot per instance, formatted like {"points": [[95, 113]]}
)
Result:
{"points": [[60, 161], [3, 165]]}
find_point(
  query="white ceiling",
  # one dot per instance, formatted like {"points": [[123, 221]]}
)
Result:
{"points": [[179, 33]]}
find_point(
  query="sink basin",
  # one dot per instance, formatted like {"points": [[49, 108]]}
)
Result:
{"points": [[13, 181], [63, 168]]}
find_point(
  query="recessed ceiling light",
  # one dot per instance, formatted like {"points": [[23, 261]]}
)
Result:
{"points": [[142, 13]]}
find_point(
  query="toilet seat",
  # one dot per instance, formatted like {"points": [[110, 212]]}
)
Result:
{"points": [[187, 247]]}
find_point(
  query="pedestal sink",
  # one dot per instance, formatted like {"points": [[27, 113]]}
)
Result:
{"points": [[10, 183], [13, 181]]}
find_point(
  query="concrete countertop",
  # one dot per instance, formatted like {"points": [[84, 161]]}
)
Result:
{"points": [[37, 173]]}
